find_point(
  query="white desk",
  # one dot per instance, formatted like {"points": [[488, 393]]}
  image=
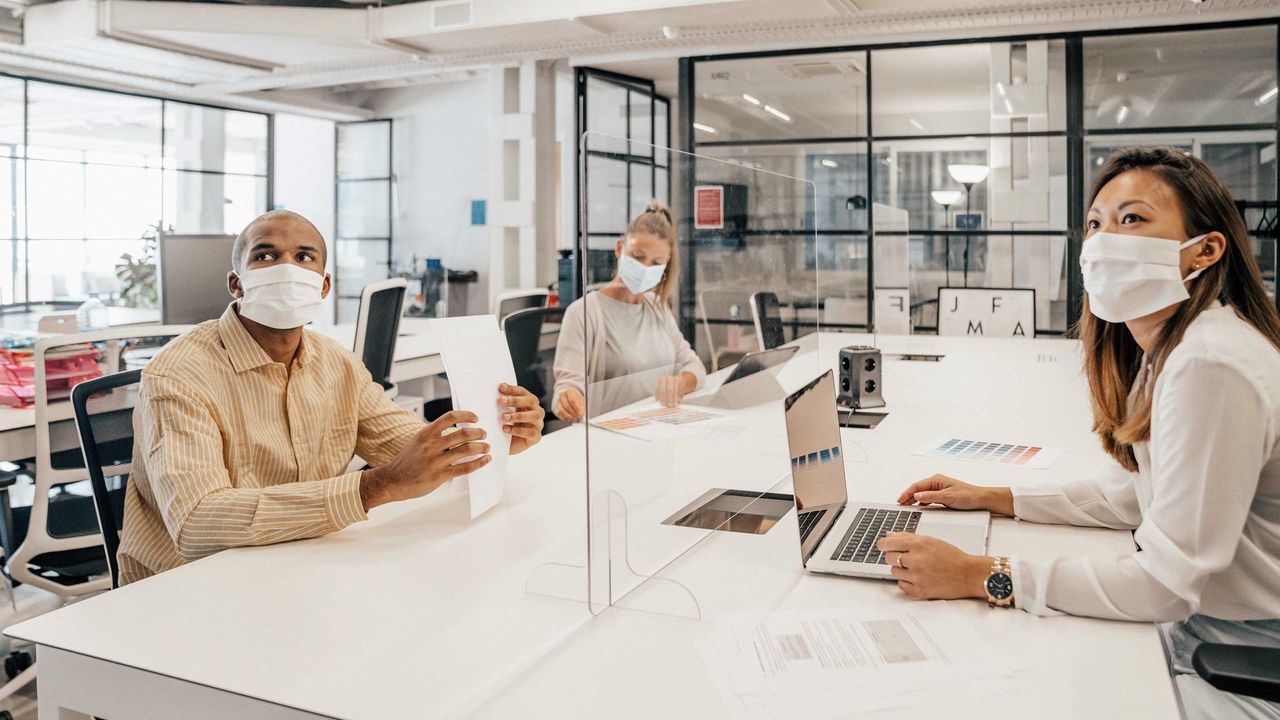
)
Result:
{"points": [[422, 613]]}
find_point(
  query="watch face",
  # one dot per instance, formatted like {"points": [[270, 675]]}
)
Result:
{"points": [[999, 586]]}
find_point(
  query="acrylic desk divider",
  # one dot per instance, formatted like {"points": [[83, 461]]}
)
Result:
{"points": [[629, 345]]}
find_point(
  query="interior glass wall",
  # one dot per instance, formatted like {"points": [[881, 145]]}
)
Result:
{"points": [[942, 165], [365, 187], [87, 176]]}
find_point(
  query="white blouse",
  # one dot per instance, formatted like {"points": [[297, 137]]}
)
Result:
{"points": [[1205, 502]]}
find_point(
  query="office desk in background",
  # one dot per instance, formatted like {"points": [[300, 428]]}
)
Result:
{"points": [[421, 612]]}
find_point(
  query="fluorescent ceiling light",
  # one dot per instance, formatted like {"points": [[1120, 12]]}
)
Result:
{"points": [[968, 174], [1266, 97], [830, 163], [704, 128], [1000, 88], [1008, 106], [777, 113], [1122, 114], [946, 198], [750, 98], [916, 124]]}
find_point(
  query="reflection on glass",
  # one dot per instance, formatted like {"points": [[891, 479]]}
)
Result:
{"points": [[364, 209], [778, 98], [606, 112], [364, 150], [1203, 77], [65, 122], [607, 203], [969, 88], [837, 170], [1244, 160], [211, 139], [360, 262]]}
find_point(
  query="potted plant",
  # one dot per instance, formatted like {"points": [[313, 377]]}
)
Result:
{"points": [[137, 275]]}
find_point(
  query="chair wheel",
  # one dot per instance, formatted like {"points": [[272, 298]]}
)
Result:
{"points": [[5, 715], [15, 663]]}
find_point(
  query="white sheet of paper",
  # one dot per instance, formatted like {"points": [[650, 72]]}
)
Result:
{"points": [[1028, 456], [477, 359]]}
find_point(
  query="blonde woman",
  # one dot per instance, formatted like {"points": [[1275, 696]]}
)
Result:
{"points": [[622, 339], [1180, 350]]}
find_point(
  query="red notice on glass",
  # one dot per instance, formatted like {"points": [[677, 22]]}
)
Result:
{"points": [[708, 203]]}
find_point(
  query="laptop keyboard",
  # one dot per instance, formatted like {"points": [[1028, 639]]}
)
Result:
{"points": [[859, 544], [808, 521]]}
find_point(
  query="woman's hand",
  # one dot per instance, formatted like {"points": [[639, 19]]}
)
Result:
{"points": [[673, 388], [521, 417], [570, 405], [957, 495], [928, 568]]}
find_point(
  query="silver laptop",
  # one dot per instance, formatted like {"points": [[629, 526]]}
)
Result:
{"points": [[839, 538], [751, 382]]}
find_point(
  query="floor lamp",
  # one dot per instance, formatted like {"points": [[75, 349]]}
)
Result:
{"points": [[947, 198], [968, 176]]}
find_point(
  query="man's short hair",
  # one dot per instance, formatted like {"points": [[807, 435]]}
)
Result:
{"points": [[238, 248]]}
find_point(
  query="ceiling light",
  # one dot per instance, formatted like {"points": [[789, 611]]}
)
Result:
{"points": [[704, 128], [1122, 77], [1266, 97], [1008, 106], [670, 33], [1000, 88], [968, 174], [830, 163], [916, 124], [751, 99], [1122, 113], [946, 198], [777, 113]]}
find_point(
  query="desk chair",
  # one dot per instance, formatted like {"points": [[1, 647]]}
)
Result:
{"points": [[61, 323], [767, 314], [1241, 669], [721, 311], [513, 301], [377, 327], [524, 337]]}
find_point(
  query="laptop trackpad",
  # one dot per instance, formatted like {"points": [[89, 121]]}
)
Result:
{"points": [[969, 538]]}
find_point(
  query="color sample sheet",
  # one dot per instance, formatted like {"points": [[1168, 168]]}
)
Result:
{"points": [[1031, 456], [477, 360], [658, 423]]}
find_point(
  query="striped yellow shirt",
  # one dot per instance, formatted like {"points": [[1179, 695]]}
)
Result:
{"points": [[230, 449]]}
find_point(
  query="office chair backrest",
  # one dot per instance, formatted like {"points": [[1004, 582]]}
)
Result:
{"points": [[524, 337], [377, 326], [51, 531], [517, 300], [92, 424], [768, 319]]}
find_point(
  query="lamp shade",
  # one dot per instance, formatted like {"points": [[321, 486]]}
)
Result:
{"points": [[946, 198], [968, 174]]}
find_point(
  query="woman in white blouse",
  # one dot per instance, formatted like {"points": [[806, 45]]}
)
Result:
{"points": [[1181, 353], [622, 340]]}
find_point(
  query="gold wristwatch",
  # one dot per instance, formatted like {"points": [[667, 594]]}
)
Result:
{"points": [[999, 584]]}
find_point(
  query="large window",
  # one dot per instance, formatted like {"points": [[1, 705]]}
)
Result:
{"points": [[86, 174], [965, 164], [365, 189]]}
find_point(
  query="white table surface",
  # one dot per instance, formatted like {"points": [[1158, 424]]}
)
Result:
{"points": [[422, 612]]}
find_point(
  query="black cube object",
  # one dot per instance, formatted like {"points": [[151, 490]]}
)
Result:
{"points": [[860, 385]]}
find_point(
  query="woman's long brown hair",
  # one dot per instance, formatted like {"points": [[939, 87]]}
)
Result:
{"points": [[1112, 358]]}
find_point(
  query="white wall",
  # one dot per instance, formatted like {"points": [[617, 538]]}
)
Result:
{"points": [[304, 176], [441, 162]]}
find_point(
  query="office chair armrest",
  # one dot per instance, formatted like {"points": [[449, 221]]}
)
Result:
{"points": [[1241, 669]]}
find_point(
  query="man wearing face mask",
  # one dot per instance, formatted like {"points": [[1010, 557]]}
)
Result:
{"points": [[623, 340], [245, 425]]}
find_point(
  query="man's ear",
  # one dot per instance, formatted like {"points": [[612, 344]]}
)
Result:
{"points": [[233, 285], [324, 292]]}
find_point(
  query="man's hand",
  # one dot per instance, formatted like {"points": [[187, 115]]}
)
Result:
{"points": [[429, 460], [570, 405], [521, 417]]}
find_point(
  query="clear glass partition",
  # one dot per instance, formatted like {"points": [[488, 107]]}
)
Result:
{"points": [[682, 438]]}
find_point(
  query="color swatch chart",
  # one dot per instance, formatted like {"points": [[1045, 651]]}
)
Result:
{"points": [[657, 423], [814, 459], [1032, 456]]}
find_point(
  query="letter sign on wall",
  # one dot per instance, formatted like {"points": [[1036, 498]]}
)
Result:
{"points": [[989, 312]]}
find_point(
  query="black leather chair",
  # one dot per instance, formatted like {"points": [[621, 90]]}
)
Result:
{"points": [[767, 314], [524, 331], [115, 457], [1240, 669]]}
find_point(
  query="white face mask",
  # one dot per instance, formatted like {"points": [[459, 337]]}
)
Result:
{"points": [[281, 296], [1129, 276], [638, 277]]}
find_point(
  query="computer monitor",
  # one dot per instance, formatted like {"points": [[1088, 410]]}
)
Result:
{"points": [[192, 277]]}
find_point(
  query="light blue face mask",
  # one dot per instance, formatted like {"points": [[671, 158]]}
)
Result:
{"points": [[638, 277]]}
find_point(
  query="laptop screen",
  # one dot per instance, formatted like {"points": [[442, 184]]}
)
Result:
{"points": [[817, 460]]}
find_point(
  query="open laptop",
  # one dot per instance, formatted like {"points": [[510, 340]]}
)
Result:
{"points": [[839, 538], [751, 382]]}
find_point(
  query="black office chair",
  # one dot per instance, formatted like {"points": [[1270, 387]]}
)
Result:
{"points": [[524, 331], [378, 325], [1240, 669], [115, 454], [767, 314]]}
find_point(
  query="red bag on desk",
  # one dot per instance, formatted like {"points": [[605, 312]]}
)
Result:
{"points": [[64, 369]]}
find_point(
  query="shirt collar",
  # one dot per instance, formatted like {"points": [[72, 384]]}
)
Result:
{"points": [[244, 352]]}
